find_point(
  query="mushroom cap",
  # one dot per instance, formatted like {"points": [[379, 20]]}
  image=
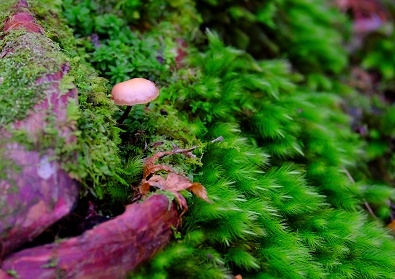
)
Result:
{"points": [[134, 91]]}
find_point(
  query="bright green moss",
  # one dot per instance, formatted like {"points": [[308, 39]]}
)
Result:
{"points": [[33, 56], [257, 223], [54, 27], [46, 6], [301, 31], [6, 11], [28, 56], [284, 205]]}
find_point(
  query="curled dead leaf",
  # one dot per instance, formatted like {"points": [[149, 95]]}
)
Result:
{"points": [[391, 226], [182, 202], [174, 182], [200, 191]]}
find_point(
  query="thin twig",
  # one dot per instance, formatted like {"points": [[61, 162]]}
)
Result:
{"points": [[363, 199], [220, 138]]}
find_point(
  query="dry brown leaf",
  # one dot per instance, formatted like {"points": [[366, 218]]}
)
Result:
{"points": [[157, 181], [149, 163], [391, 226], [174, 182], [200, 191], [177, 182], [144, 187], [182, 202], [150, 167], [154, 168]]}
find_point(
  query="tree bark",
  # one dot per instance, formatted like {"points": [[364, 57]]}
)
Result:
{"points": [[109, 250], [35, 191]]}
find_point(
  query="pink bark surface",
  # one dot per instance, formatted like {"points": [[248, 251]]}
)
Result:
{"points": [[109, 250], [35, 191]]}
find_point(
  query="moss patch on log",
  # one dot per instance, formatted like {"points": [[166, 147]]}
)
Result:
{"points": [[25, 58], [6, 10], [28, 56]]}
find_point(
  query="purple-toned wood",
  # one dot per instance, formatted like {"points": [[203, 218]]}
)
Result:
{"points": [[35, 191], [109, 250]]}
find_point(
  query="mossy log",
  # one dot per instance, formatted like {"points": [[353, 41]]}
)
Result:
{"points": [[35, 191]]}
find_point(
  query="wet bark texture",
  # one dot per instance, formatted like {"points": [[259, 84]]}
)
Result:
{"points": [[35, 192], [109, 250]]}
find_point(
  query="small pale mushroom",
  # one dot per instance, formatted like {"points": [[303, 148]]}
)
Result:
{"points": [[132, 92]]}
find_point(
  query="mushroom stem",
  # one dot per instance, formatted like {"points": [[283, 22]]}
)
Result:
{"points": [[124, 115]]}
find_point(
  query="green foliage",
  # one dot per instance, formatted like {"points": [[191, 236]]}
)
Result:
{"points": [[284, 201], [301, 31], [380, 135], [377, 119], [121, 53], [19, 88], [378, 54], [258, 209], [6, 11], [98, 138], [134, 57], [99, 167]]}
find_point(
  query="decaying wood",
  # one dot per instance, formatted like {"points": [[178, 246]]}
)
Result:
{"points": [[109, 250], [35, 192]]}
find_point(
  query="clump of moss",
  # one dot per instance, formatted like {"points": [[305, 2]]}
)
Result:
{"points": [[20, 91], [29, 56], [284, 205], [6, 11]]}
